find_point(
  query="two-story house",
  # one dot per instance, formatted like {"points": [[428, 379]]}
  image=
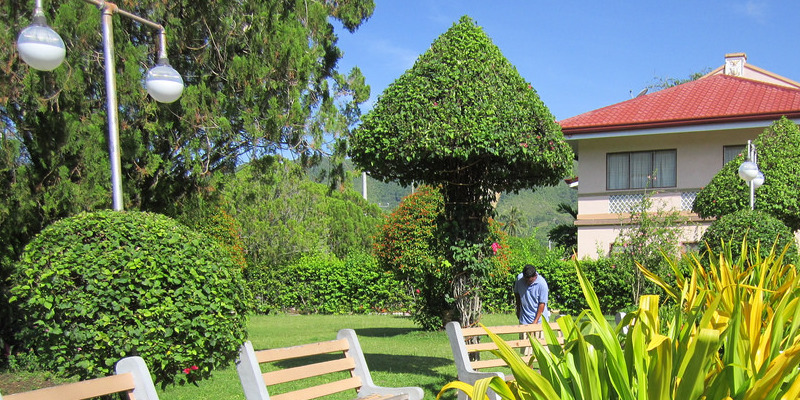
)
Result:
{"points": [[671, 142]]}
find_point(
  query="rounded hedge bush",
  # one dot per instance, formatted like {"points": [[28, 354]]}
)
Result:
{"points": [[755, 227], [101, 286]]}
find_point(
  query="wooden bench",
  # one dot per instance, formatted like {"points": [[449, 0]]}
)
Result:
{"points": [[468, 344], [131, 378], [346, 372]]}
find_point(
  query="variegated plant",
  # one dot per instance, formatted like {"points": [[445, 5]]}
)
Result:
{"points": [[735, 337]]}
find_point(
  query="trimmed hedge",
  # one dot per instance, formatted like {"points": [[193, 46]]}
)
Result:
{"points": [[324, 284], [754, 227], [101, 286]]}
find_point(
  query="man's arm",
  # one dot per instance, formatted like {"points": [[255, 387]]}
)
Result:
{"points": [[539, 311], [518, 304]]}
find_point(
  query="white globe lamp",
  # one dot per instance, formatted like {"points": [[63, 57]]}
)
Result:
{"points": [[758, 180], [163, 83], [748, 171], [41, 47]]}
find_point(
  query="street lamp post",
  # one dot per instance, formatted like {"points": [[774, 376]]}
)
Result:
{"points": [[42, 48], [750, 173]]}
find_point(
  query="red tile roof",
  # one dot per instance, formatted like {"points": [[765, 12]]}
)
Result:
{"points": [[711, 99]]}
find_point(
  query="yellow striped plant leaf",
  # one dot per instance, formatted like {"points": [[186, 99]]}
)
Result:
{"points": [[615, 359], [782, 367], [526, 377], [695, 364]]}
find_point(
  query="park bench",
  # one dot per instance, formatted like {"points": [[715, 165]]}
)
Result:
{"points": [[347, 371], [472, 346], [132, 378]]}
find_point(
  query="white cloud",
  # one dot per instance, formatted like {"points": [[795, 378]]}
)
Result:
{"points": [[755, 9]]}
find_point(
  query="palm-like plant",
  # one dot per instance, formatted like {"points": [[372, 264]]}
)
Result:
{"points": [[735, 336]]}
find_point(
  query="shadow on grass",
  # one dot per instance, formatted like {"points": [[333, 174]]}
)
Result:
{"points": [[383, 332], [426, 367]]}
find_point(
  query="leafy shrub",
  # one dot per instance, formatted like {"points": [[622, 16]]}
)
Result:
{"points": [[411, 245], [756, 227], [732, 335], [321, 283], [608, 278], [97, 287]]}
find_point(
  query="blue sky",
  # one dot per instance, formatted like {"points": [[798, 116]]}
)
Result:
{"points": [[586, 54]]}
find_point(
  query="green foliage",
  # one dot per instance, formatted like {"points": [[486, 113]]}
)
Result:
{"points": [[608, 279], [462, 104], [324, 284], [97, 287], [513, 222], [261, 78], [408, 245], [283, 215], [778, 150], [735, 336], [463, 119], [566, 235], [758, 229], [652, 232]]}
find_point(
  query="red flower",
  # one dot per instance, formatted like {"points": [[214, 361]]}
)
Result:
{"points": [[194, 368], [495, 247], [187, 370], [523, 144]]}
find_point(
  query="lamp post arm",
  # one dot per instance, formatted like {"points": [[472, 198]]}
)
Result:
{"points": [[162, 33]]}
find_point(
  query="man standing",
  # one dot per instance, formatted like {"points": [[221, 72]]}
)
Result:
{"points": [[530, 292]]}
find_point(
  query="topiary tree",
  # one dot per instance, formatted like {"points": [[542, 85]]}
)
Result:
{"points": [[779, 159], [97, 287], [755, 228], [464, 120]]}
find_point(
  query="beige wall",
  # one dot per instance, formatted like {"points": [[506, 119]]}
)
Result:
{"points": [[699, 158]]}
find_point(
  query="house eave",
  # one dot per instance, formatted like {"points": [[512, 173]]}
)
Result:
{"points": [[677, 126]]}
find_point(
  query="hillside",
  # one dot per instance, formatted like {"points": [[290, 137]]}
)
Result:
{"points": [[537, 208]]}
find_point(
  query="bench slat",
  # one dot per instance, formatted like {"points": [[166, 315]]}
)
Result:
{"points": [[80, 390], [495, 362], [307, 371], [305, 350], [487, 346], [504, 329], [320, 390]]}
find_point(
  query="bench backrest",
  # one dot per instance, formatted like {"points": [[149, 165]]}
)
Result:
{"points": [[132, 379], [349, 359], [469, 343]]}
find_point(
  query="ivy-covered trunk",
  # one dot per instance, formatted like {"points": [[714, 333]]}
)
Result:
{"points": [[467, 212]]}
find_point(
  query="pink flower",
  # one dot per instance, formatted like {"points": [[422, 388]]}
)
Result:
{"points": [[523, 144], [417, 291], [495, 247], [187, 370], [194, 368]]}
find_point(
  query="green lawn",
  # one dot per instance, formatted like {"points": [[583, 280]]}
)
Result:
{"points": [[397, 352]]}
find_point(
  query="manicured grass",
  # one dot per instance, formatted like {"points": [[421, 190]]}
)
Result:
{"points": [[397, 352]]}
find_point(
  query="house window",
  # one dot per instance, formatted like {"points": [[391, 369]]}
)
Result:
{"points": [[641, 169], [730, 152]]}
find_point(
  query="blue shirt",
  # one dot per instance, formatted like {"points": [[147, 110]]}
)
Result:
{"points": [[530, 297]]}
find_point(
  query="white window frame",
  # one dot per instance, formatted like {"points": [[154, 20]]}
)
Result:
{"points": [[640, 176]]}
